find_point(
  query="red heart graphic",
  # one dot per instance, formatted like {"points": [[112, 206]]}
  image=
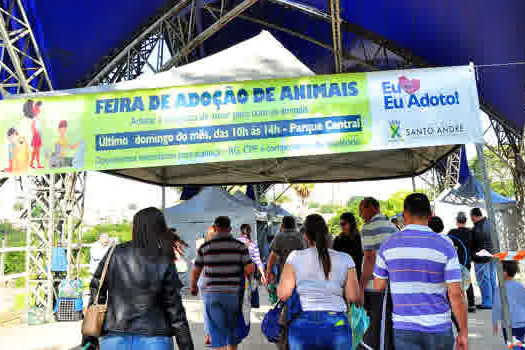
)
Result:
{"points": [[409, 86]]}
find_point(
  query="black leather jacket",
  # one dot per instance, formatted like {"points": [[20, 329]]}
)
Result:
{"points": [[143, 296]]}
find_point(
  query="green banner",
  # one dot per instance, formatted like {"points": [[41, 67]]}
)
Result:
{"points": [[185, 125]]}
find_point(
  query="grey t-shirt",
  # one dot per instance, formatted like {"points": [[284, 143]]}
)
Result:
{"points": [[284, 243]]}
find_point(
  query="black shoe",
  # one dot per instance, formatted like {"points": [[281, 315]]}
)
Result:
{"points": [[472, 309]]}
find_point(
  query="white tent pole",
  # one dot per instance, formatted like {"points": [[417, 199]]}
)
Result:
{"points": [[163, 200], [495, 238]]}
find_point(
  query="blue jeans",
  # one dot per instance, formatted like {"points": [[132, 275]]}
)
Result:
{"points": [[127, 341], [320, 330], [413, 340], [486, 276], [221, 314]]}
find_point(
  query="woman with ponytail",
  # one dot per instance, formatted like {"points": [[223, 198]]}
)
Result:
{"points": [[326, 282]]}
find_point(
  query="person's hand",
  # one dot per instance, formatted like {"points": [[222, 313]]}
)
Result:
{"points": [[264, 281], [270, 277], [495, 329], [194, 291], [462, 340], [361, 299]]}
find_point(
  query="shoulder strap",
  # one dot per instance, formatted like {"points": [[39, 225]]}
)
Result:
{"points": [[104, 271]]}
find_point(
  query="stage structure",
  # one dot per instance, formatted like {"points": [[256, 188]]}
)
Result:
{"points": [[178, 36], [54, 204]]}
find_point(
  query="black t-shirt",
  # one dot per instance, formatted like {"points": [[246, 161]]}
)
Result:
{"points": [[351, 245], [465, 236]]}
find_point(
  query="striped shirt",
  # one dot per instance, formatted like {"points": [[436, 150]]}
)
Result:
{"points": [[255, 255], [419, 264], [222, 260], [376, 231]]}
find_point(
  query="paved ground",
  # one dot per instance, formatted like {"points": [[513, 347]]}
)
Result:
{"points": [[65, 336]]}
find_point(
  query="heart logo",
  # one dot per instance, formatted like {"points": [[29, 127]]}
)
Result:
{"points": [[409, 86]]}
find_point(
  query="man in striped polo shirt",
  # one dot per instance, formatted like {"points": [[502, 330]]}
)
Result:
{"points": [[225, 261], [422, 268], [375, 230]]}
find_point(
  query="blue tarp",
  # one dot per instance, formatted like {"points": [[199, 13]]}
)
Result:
{"points": [[76, 35], [473, 189]]}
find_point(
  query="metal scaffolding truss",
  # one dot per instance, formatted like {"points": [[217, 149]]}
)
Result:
{"points": [[54, 203], [22, 69]]}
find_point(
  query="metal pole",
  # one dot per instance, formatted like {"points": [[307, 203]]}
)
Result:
{"points": [[495, 238], [413, 184], [163, 201], [2, 257]]}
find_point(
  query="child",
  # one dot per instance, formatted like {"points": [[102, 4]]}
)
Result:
{"points": [[516, 300], [12, 136], [63, 143]]}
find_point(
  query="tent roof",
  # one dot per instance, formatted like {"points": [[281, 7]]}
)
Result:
{"points": [[471, 193], [205, 206], [75, 36], [378, 165]]}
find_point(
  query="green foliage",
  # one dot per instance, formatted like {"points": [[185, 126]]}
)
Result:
{"points": [[121, 231], [283, 199], [328, 208], [313, 205], [500, 176], [15, 236], [20, 302], [390, 207], [15, 262]]}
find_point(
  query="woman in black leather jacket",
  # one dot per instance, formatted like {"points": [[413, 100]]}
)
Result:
{"points": [[145, 307]]}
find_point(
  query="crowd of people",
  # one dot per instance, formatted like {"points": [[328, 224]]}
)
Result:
{"points": [[408, 277]]}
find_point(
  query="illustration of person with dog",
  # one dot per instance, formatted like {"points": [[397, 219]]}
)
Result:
{"points": [[18, 152], [59, 158], [31, 110]]}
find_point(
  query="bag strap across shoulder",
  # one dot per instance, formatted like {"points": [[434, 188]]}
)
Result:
{"points": [[103, 276]]}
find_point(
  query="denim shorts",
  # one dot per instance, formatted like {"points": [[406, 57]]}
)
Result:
{"points": [[320, 330], [414, 340], [221, 314], [127, 341]]}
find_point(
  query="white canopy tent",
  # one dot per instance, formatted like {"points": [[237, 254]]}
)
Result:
{"points": [[470, 195], [193, 217]]}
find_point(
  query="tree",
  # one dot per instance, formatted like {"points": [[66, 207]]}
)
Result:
{"points": [[499, 173], [132, 206], [303, 191], [283, 199], [18, 206]]}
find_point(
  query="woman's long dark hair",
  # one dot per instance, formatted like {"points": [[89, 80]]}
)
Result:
{"points": [[151, 235], [317, 232], [247, 231], [352, 221]]}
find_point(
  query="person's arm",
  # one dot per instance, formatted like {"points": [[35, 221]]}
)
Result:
{"points": [[459, 309], [175, 310], [95, 282], [380, 272], [352, 292], [496, 310], [269, 267], [258, 262], [198, 265], [455, 294], [249, 266], [287, 283], [369, 261]]}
